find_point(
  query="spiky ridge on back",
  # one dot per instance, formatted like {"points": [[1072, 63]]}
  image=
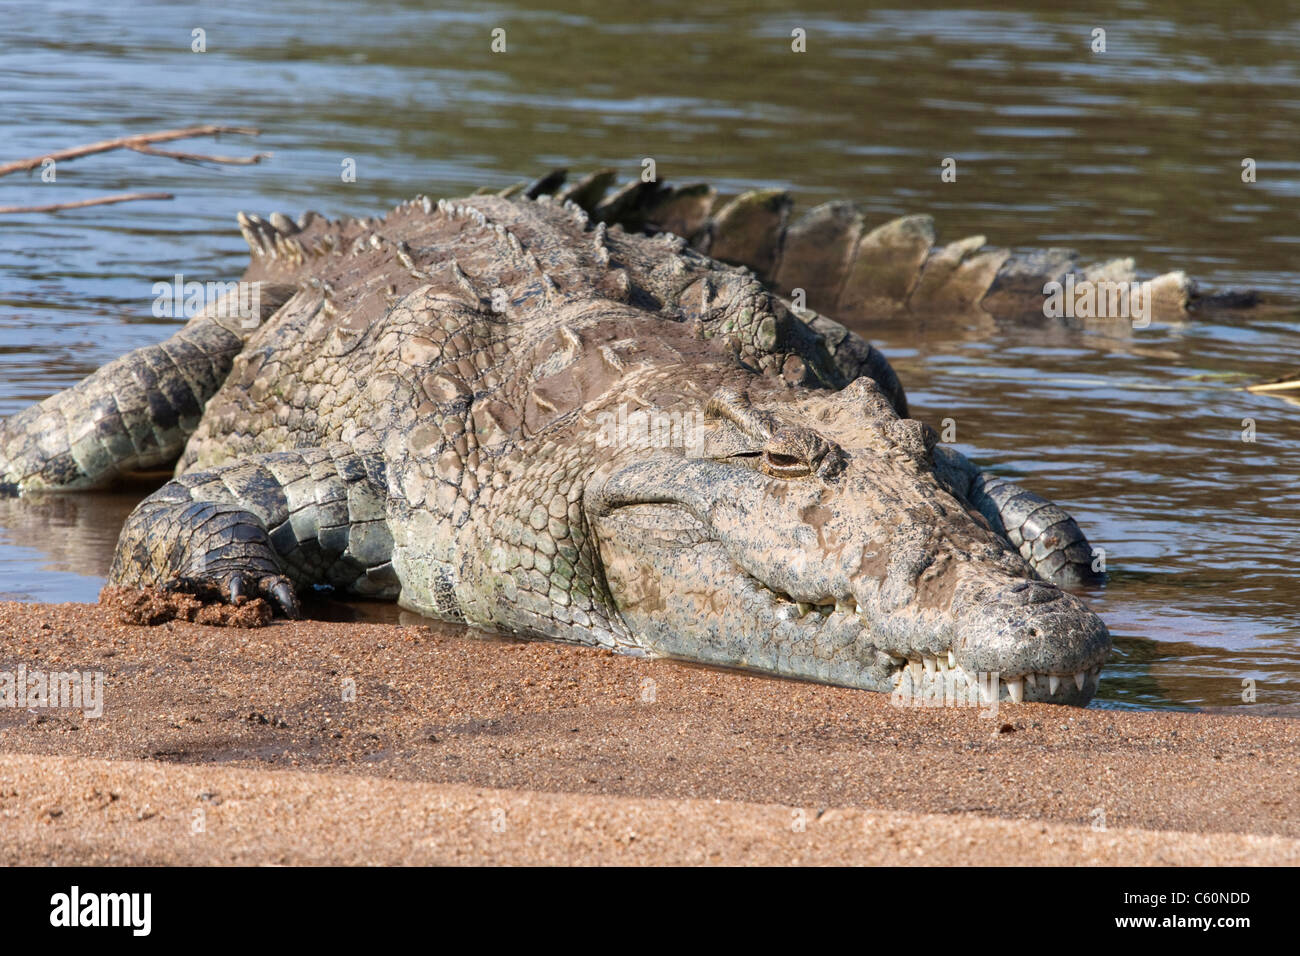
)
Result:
{"points": [[847, 266], [522, 309]]}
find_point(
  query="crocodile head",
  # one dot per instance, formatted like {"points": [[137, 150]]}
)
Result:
{"points": [[809, 538]]}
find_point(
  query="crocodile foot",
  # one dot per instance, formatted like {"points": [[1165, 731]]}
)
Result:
{"points": [[233, 586], [215, 550]]}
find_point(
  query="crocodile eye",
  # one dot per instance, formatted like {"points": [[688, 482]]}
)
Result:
{"points": [[778, 465]]}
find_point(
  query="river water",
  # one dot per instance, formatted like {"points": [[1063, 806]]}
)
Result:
{"points": [[1137, 150]]}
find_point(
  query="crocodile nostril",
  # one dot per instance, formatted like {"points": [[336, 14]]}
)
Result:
{"points": [[1033, 592]]}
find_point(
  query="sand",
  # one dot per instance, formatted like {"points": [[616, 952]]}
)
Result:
{"points": [[318, 742]]}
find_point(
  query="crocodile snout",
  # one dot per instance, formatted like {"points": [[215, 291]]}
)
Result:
{"points": [[1043, 643]]}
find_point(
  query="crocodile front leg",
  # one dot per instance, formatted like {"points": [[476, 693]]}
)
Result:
{"points": [[270, 525], [133, 414], [1044, 533]]}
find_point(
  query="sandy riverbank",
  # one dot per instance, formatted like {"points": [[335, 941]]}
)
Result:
{"points": [[463, 750]]}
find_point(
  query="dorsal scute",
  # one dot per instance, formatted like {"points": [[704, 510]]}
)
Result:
{"points": [[522, 262]]}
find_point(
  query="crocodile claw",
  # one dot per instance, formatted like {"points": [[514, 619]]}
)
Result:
{"points": [[282, 596], [275, 589], [239, 587]]}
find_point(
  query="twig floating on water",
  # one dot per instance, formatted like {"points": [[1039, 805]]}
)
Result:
{"points": [[125, 142], [200, 157], [1279, 385], [83, 203]]}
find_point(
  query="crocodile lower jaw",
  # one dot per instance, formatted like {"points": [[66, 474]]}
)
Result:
{"points": [[938, 676]]}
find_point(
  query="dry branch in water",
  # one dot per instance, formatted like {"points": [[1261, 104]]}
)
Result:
{"points": [[1278, 385], [133, 142], [82, 203], [201, 157]]}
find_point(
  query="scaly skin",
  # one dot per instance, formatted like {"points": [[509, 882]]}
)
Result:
{"points": [[134, 414], [432, 415], [855, 271]]}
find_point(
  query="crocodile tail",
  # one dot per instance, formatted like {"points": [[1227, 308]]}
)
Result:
{"points": [[829, 259], [833, 261], [638, 206]]}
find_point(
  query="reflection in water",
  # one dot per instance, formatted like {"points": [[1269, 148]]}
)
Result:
{"points": [[1133, 152], [59, 547]]}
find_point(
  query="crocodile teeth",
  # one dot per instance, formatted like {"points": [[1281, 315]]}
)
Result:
{"points": [[804, 608], [928, 669], [952, 659]]}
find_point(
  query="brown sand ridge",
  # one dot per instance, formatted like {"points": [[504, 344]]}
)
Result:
{"points": [[313, 742]]}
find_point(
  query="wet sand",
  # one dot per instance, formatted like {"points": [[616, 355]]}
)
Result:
{"points": [[463, 750]]}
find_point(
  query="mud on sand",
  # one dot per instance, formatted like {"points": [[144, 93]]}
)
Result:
{"points": [[224, 744]]}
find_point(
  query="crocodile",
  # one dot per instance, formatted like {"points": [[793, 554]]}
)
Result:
{"points": [[524, 412], [840, 265]]}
